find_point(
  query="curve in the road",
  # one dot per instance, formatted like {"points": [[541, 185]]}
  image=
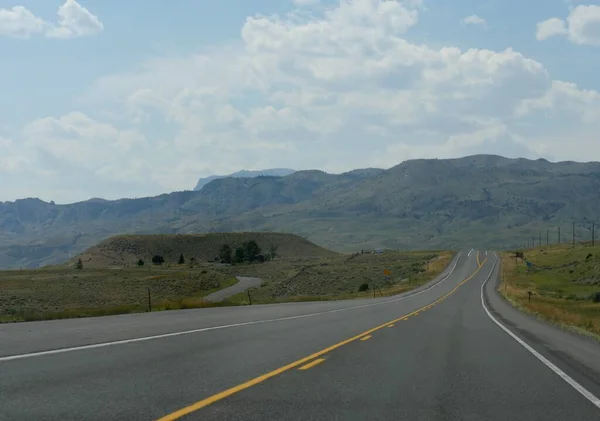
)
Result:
{"points": [[244, 283], [364, 335], [446, 361]]}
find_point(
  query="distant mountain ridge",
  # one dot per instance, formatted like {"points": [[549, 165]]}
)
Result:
{"points": [[273, 172], [482, 201]]}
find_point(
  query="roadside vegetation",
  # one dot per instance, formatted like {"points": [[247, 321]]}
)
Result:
{"points": [[176, 281], [66, 292], [564, 282], [360, 275]]}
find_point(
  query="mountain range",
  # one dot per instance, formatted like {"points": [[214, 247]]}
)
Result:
{"points": [[482, 201]]}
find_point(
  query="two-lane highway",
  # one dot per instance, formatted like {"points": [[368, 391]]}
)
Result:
{"points": [[433, 355]]}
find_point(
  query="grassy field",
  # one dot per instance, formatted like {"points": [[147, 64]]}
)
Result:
{"points": [[63, 292], [562, 279], [60, 292], [340, 277]]}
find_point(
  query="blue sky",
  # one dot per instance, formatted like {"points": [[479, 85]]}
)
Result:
{"points": [[125, 99]]}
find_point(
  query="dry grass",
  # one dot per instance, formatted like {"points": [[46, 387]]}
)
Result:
{"points": [[324, 279], [64, 292], [561, 280]]}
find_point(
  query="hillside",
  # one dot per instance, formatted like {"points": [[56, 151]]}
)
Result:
{"points": [[480, 201], [126, 250], [273, 172]]}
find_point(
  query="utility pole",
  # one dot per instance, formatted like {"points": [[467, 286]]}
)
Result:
{"points": [[533, 241], [558, 235], [540, 243], [593, 233], [547, 237], [573, 234]]}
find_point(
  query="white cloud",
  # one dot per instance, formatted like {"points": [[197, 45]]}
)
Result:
{"points": [[74, 21], [80, 141], [19, 22], [338, 90], [549, 28], [582, 26], [12, 158], [474, 20]]}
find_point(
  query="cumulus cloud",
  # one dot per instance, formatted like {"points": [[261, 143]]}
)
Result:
{"points": [[582, 26], [550, 28], [337, 90], [83, 142], [474, 20], [74, 20]]}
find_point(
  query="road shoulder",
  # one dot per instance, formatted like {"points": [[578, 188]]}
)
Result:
{"points": [[575, 352]]}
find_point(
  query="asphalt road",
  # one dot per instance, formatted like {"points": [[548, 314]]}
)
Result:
{"points": [[244, 283], [433, 355]]}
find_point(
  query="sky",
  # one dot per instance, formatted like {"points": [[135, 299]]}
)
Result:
{"points": [[111, 99]]}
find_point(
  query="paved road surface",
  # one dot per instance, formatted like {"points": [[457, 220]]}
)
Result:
{"points": [[363, 359], [242, 285]]}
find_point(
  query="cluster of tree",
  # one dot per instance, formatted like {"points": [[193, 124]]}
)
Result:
{"points": [[248, 252], [157, 259]]}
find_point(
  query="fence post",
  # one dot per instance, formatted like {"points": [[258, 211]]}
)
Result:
{"points": [[249, 298], [149, 301]]}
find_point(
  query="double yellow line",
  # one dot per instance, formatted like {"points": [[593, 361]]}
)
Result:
{"points": [[304, 361]]}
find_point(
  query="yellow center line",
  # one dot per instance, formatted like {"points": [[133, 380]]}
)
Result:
{"points": [[253, 382], [392, 325], [312, 364], [478, 262], [364, 338]]}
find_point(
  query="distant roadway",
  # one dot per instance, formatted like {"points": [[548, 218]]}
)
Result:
{"points": [[451, 350], [243, 283]]}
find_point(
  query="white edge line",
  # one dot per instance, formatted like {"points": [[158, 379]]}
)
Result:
{"points": [[471, 251], [206, 329], [572, 382]]}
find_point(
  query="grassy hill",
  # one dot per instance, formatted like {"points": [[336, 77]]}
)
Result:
{"points": [[126, 250], [479, 201], [564, 280]]}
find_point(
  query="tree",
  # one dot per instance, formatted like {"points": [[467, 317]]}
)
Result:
{"points": [[181, 259], [140, 262], [158, 260], [79, 264], [225, 253], [240, 255], [272, 251], [251, 250]]}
